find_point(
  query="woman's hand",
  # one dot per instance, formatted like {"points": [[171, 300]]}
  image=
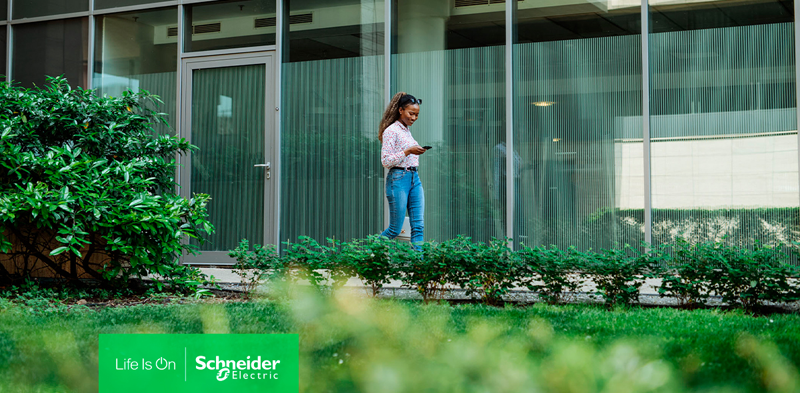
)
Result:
{"points": [[414, 150]]}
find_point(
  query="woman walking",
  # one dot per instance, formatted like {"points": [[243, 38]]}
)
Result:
{"points": [[400, 153]]}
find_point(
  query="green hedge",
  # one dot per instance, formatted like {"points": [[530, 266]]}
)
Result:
{"points": [[691, 272]]}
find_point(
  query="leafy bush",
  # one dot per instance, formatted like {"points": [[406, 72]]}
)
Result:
{"points": [[303, 260], [550, 272], [374, 260], [741, 276], [263, 263], [688, 275], [435, 266], [617, 273], [309, 260], [490, 271], [749, 277], [87, 188]]}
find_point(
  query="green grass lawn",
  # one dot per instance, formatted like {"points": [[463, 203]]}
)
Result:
{"points": [[353, 344]]}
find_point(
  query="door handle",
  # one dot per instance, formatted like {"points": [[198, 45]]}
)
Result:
{"points": [[265, 166]]}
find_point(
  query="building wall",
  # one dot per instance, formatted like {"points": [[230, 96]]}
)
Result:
{"points": [[721, 115]]}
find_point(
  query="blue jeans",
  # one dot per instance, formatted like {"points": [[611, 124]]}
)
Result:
{"points": [[404, 192]]}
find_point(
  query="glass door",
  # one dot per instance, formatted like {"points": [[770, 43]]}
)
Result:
{"points": [[224, 113]]}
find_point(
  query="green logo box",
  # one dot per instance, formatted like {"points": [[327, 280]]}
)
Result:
{"points": [[199, 363]]}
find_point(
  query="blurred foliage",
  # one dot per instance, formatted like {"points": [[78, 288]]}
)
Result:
{"points": [[352, 343]]}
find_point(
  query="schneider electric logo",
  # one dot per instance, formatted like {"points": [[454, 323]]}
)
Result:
{"points": [[199, 363], [239, 369]]}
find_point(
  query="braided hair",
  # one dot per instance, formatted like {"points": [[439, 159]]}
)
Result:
{"points": [[392, 112]]}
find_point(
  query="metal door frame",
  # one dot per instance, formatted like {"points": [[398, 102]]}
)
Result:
{"points": [[271, 140]]}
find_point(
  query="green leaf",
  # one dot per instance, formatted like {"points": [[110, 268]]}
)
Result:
{"points": [[58, 250]]}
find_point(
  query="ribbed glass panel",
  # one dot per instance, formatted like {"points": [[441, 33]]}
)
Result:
{"points": [[333, 97], [228, 127], [724, 134], [578, 140], [463, 118], [331, 176]]}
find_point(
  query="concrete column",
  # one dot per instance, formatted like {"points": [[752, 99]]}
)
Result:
{"points": [[371, 62], [422, 25], [422, 62]]}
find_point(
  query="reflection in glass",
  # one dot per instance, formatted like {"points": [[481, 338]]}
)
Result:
{"points": [[332, 179], [34, 8], [453, 58], [3, 9], [103, 4], [134, 52], [3, 46], [226, 25], [52, 48], [578, 125], [228, 128], [724, 122]]}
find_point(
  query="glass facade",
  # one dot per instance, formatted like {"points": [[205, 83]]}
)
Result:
{"points": [[578, 161], [724, 121], [719, 130], [52, 48], [453, 58], [226, 25], [333, 75], [134, 52], [35, 8], [103, 4], [3, 43]]}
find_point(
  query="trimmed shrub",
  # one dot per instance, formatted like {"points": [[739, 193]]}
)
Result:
{"points": [[308, 259], [617, 273], [263, 263], [551, 272], [374, 260], [742, 277], [748, 277], [435, 266], [689, 272], [490, 272]]}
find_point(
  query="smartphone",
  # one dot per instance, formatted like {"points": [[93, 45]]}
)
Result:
{"points": [[427, 147]]}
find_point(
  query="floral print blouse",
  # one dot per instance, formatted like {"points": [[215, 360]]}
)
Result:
{"points": [[396, 139]]}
